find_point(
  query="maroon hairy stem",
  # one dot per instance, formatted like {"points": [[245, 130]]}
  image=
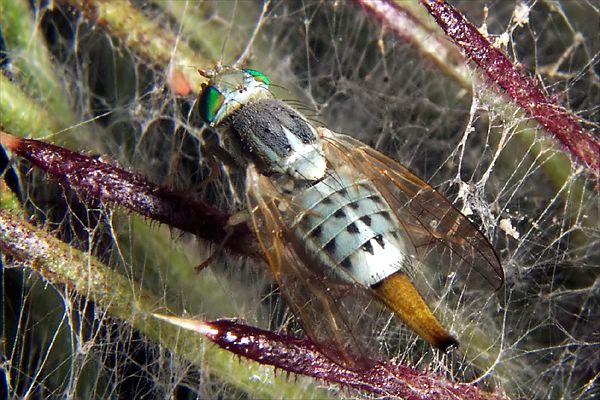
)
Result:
{"points": [[112, 185], [396, 18], [301, 356], [562, 124]]}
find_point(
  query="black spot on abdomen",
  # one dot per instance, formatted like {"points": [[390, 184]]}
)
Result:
{"points": [[352, 228], [368, 247], [339, 213], [330, 246]]}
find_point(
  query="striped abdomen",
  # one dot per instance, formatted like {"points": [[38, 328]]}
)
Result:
{"points": [[348, 229], [350, 235]]}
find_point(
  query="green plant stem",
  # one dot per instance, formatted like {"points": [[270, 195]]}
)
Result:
{"points": [[137, 32], [32, 68], [62, 265]]}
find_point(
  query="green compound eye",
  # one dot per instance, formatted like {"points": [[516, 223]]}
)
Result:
{"points": [[211, 101], [259, 76]]}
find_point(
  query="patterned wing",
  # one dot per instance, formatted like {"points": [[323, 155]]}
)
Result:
{"points": [[339, 319], [438, 232]]}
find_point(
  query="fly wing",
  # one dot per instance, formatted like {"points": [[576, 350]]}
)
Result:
{"points": [[435, 228], [339, 319]]}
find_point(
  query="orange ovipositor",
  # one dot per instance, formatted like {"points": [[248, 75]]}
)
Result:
{"points": [[398, 293]]}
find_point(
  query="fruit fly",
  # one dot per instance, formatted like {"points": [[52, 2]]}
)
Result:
{"points": [[341, 225]]}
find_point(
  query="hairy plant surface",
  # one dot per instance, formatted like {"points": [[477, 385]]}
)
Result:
{"points": [[500, 114]]}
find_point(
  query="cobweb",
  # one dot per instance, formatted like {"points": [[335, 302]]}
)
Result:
{"points": [[537, 337]]}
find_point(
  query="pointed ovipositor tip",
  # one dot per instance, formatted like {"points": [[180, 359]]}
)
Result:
{"points": [[400, 295], [446, 343]]}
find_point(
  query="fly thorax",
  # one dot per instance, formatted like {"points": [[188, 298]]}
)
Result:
{"points": [[277, 139], [347, 229]]}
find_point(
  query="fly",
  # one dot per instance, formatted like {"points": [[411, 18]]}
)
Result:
{"points": [[340, 223]]}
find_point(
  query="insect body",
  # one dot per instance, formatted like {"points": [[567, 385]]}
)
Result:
{"points": [[340, 224]]}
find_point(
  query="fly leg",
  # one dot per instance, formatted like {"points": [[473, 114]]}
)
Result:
{"points": [[236, 219], [216, 158], [220, 162]]}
